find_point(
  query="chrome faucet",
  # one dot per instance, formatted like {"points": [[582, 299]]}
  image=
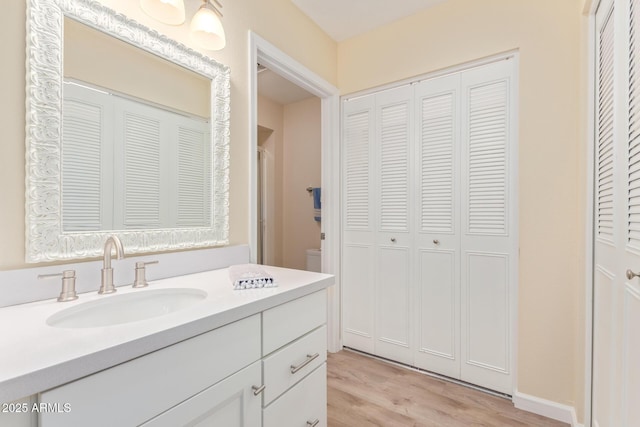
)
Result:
{"points": [[107, 272]]}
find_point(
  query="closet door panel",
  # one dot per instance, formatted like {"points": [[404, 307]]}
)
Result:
{"points": [[393, 297], [437, 325], [489, 156], [487, 311], [437, 225], [393, 213], [358, 137], [357, 314]]}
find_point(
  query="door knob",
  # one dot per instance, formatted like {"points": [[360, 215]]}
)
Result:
{"points": [[631, 274]]}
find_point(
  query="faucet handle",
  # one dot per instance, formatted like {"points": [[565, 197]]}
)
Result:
{"points": [[68, 292], [141, 281]]}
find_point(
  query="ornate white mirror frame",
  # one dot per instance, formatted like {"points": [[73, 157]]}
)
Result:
{"points": [[45, 238]]}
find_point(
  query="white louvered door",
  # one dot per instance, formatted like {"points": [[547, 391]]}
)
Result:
{"points": [[437, 274], [119, 157], [358, 250], [488, 245], [138, 174], [87, 164], [630, 375], [607, 217], [393, 145], [616, 347], [430, 227]]}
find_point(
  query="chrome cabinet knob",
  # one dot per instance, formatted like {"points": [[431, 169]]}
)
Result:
{"points": [[631, 274]]}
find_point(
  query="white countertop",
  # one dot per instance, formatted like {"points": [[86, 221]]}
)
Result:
{"points": [[35, 356]]}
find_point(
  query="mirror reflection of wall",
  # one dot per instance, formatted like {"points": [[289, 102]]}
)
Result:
{"points": [[104, 61], [136, 140]]}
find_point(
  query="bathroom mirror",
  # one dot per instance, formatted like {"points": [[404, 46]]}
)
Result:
{"points": [[90, 172]]}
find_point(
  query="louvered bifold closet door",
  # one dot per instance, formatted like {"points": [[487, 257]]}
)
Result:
{"points": [[194, 180], [488, 244], [630, 313], [140, 154], [86, 159], [394, 207], [607, 216], [437, 271], [358, 222], [633, 240]]}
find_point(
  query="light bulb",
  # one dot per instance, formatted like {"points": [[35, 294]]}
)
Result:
{"points": [[207, 30]]}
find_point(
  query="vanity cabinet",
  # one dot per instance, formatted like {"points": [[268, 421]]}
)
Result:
{"points": [[214, 378], [294, 363], [230, 403]]}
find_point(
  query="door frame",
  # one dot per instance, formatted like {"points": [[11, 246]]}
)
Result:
{"points": [[260, 50]]}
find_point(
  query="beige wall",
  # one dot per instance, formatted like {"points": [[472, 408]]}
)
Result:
{"points": [[301, 169], [548, 35], [271, 116], [278, 21], [551, 177], [296, 150]]}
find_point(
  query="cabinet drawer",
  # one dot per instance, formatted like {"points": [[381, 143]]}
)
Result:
{"points": [[286, 322], [302, 405], [229, 403], [306, 354], [135, 391]]}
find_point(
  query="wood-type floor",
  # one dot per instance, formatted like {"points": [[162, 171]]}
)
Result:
{"points": [[363, 392]]}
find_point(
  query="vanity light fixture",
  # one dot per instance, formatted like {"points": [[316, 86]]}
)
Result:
{"points": [[167, 11], [206, 27]]}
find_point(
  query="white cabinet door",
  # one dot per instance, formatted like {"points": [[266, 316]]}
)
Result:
{"points": [[230, 403], [138, 390]]}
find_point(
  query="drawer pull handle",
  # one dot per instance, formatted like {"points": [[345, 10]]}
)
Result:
{"points": [[310, 358], [257, 390], [313, 423]]}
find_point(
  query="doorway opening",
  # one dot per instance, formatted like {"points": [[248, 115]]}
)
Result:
{"points": [[289, 174], [264, 53]]}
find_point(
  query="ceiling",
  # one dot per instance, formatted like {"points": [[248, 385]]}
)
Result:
{"points": [[278, 89], [343, 19], [340, 19]]}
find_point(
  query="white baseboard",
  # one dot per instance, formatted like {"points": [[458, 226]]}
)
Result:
{"points": [[546, 408]]}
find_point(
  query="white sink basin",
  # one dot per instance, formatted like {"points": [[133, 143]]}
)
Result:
{"points": [[132, 307]]}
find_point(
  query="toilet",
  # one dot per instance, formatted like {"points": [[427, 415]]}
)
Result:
{"points": [[314, 260]]}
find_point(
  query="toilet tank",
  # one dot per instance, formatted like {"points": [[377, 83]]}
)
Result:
{"points": [[314, 260]]}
